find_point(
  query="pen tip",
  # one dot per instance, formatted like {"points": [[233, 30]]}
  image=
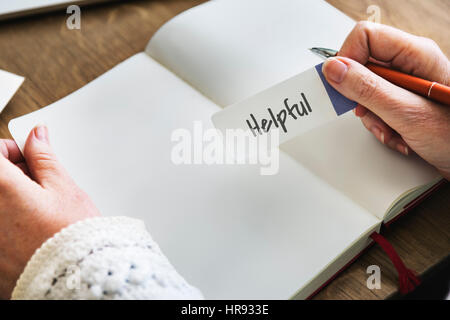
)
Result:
{"points": [[324, 52]]}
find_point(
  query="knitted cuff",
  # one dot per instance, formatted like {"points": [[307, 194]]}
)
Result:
{"points": [[101, 258]]}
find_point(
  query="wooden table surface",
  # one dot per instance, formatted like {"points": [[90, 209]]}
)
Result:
{"points": [[57, 61]]}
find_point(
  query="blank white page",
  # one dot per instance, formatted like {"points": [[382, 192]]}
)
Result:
{"points": [[227, 229], [348, 157], [232, 49]]}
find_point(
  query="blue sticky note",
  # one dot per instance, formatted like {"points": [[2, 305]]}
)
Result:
{"points": [[340, 103]]}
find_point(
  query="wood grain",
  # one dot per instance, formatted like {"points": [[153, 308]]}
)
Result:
{"points": [[57, 61]]}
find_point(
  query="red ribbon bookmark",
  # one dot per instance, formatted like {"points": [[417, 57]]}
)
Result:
{"points": [[406, 277]]}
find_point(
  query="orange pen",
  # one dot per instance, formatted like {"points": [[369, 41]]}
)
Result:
{"points": [[428, 89]]}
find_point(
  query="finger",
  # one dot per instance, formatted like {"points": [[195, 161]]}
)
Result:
{"points": [[379, 128], [384, 133], [23, 166], [397, 143], [10, 150], [41, 160], [398, 107], [408, 53], [360, 111], [12, 177]]}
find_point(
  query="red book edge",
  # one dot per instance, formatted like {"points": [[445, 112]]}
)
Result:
{"points": [[411, 205]]}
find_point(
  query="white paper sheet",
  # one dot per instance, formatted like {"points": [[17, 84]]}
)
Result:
{"points": [[233, 49], [9, 84], [291, 107]]}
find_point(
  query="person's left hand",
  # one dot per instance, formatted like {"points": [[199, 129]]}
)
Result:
{"points": [[37, 199]]}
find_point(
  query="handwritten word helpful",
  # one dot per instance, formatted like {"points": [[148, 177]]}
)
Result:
{"points": [[279, 119]]}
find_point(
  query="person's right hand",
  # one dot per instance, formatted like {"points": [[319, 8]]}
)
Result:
{"points": [[398, 118]]}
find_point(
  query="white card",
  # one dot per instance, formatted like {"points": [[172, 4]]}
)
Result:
{"points": [[293, 106], [9, 84]]}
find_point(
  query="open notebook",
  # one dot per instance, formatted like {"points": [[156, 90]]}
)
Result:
{"points": [[228, 230]]}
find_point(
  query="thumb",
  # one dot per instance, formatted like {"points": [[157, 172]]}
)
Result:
{"points": [[383, 98], [41, 161]]}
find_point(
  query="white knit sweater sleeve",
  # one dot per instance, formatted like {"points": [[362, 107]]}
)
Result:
{"points": [[102, 258]]}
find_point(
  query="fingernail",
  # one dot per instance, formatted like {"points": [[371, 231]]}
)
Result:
{"points": [[334, 70], [41, 133], [378, 133], [403, 149]]}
